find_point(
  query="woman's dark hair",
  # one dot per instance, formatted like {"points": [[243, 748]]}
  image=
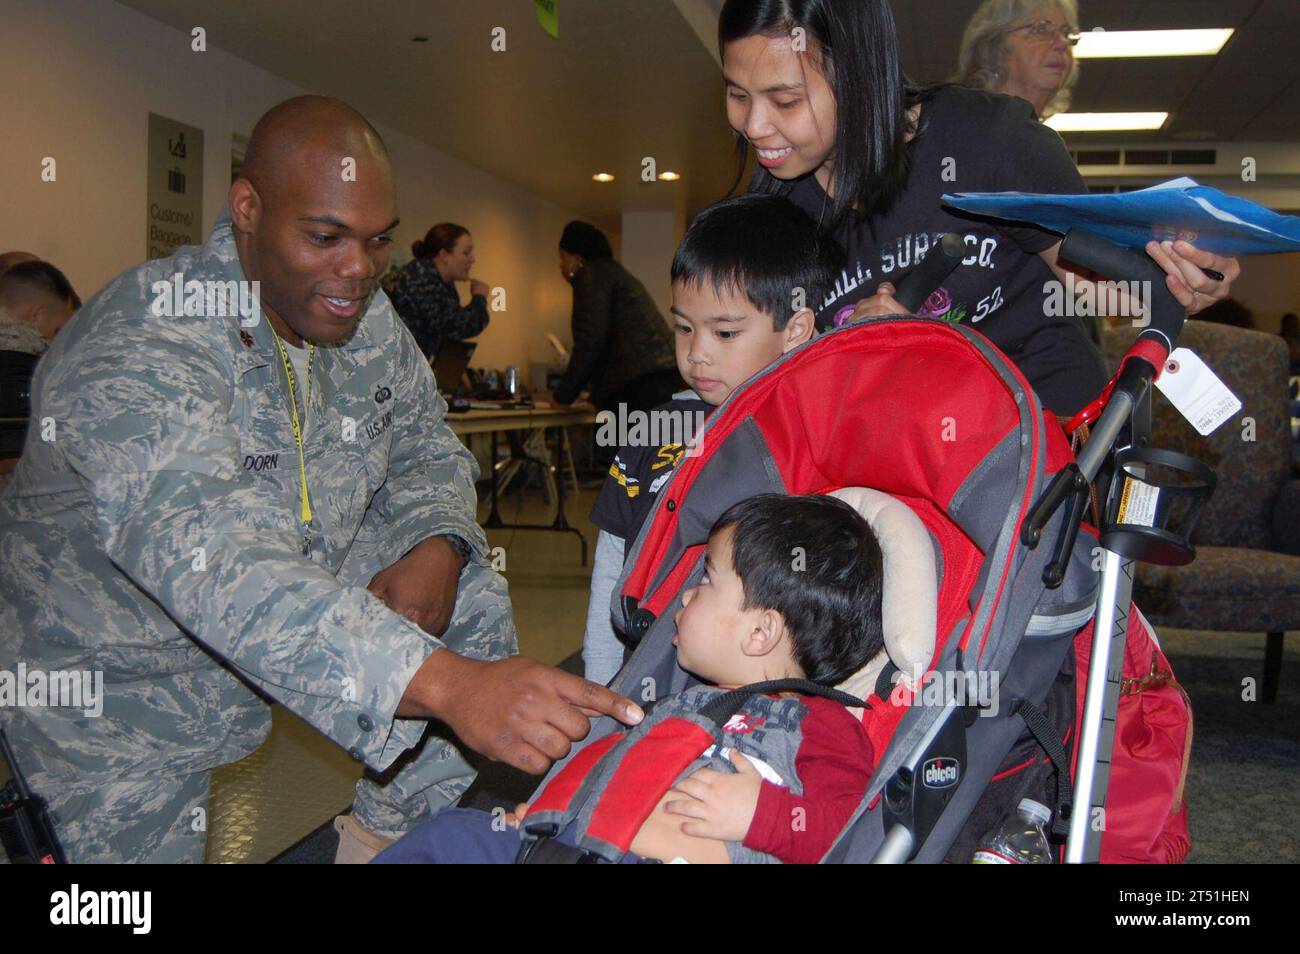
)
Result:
{"points": [[583, 238], [854, 44], [763, 247], [442, 237], [814, 560]]}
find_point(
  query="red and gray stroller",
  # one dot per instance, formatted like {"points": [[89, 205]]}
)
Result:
{"points": [[977, 500]]}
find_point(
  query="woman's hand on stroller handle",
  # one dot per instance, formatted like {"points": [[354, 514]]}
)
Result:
{"points": [[515, 710], [1185, 266]]}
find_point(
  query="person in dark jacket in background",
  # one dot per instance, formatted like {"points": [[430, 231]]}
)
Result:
{"points": [[622, 346], [424, 292]]}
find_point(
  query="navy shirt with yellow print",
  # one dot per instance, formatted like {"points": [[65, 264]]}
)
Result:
{"points": [[642, 467]]}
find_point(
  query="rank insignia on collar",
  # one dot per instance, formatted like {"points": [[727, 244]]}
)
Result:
{"points": [[246, 338]]}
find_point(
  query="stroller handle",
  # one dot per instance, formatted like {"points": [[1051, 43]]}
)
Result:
{"points": [[926, 278], [1146, 358], [1126, 264], [1113, 410]]}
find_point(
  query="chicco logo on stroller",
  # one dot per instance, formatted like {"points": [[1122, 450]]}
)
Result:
{"points": [[941, 773]]}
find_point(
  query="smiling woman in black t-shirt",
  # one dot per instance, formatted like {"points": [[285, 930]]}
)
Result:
{"points": [[817, 89]]}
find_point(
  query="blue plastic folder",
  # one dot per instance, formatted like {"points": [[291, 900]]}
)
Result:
{"points": [[1179, 209]]}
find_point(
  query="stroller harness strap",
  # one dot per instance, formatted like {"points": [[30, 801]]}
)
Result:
{"points": [[644, 778], [1036, 721], [557, 796], [608, 790]]}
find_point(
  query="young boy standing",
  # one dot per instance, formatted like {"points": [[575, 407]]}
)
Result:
{"points": [[745, 280]]}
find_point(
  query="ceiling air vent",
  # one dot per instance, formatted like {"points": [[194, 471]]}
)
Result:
{"points": [[1146, 157], [1170, 157], [1097, 157], [1194, 157]]}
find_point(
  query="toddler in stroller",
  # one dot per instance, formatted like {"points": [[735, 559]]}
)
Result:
{"points": [[770, 771]]}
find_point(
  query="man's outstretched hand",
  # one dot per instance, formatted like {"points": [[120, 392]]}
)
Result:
{"points": [[421, 586], [515, 710]]}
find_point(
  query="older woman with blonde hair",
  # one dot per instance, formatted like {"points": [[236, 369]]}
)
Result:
{"points": [[1022, 48]]}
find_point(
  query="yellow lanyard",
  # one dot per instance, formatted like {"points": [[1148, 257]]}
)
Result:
{"points": [[297, 431]]}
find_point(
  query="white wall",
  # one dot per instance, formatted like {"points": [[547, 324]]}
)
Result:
{"points": [[80, 78], [649, 241]]}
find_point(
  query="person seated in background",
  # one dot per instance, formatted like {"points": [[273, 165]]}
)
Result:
{"points": [[36, 299], [734, 279], [753, 617], [9, 259], [1022, 48], [425, 295]]}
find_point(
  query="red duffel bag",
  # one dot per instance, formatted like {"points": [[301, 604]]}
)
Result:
{"points": [[1146, 814]]}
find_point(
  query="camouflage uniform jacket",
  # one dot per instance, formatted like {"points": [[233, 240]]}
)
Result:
{"points": [[152, 531]]}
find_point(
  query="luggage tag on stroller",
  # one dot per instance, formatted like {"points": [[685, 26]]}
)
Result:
{"points": [[1196, 391]]}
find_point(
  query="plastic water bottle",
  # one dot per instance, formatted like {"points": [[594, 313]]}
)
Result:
{"points": [[1019, 840]]}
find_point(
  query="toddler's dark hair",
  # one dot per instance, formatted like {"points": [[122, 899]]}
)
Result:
{"points": [[814, 560]]}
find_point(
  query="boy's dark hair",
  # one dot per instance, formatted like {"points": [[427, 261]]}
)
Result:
{"points": [[828, 590], [762, 247]]}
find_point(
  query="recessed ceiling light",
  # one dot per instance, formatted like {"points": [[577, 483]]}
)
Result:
{"points": [[668, 176], [1106, 44], [419, 39], [603, 177], [1106, 122]]}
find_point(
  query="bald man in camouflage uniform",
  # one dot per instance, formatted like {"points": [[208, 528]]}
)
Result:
{"points": [[154, 529]]}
